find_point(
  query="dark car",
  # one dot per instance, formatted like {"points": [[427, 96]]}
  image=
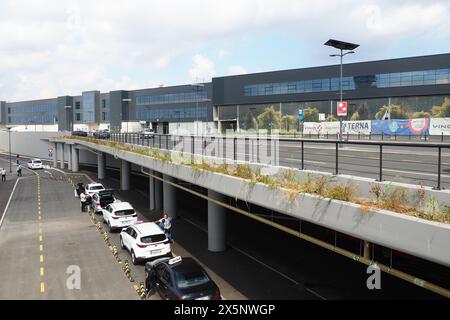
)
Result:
{"points": [[102, 199], [180, 279], [102, 134], [80, 133]]}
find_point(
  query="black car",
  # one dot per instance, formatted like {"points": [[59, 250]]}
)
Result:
{"points": [[102, 134], [80, 133], [180, 279]]}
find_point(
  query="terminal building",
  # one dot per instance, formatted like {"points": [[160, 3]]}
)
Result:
{"points": [[236, 102]]}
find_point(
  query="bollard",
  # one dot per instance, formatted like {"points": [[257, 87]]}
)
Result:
{"points": [[142, 291]]}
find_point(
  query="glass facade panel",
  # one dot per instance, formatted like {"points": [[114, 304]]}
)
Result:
{"points": [[185, 97], [191, 113], [88, 111], [385, 80]]}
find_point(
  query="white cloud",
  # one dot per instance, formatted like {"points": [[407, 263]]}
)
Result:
{"points": [[203, 69], [223, 53], [236, 70]]}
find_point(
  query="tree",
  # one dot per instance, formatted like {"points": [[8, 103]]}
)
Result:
{"points": [[421, 114], [442, 111], [269, 119], [331, 118], [397, 112], [288, 122], [249, 121], [311, 115], [355, 117]]}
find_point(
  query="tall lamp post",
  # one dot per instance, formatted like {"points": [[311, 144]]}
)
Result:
{"points": [[128, 101], [197, 87], [342, 46], [9, 148]]}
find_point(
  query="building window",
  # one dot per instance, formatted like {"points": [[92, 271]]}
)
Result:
{"points": [[78, 105], [78, 117]]}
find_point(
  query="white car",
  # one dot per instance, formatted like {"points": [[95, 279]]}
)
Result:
{"points": [[145, 241], [119, 215], [93, 188], [35, 164]]}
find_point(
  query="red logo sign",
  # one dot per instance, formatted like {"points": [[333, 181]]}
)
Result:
{"points": [[342, 109]]}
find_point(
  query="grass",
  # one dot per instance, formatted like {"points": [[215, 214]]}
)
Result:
{"points": [[386, 197]]}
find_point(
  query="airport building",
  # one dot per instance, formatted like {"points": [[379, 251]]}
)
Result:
{"points": [[236, 102]]}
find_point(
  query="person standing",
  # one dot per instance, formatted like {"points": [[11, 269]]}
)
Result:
{"points": [[83, 201], [19, 171], [18, 159], [166, 225], [3, 172]]}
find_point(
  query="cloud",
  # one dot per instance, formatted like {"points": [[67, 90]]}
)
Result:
{"points": [[203, 69], [223, 53], [236, 70]]}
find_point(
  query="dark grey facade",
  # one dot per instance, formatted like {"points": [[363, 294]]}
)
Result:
{"points": [[65, 113]]}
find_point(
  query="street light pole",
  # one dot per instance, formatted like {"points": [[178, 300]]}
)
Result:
{"points": [[9, 142]]}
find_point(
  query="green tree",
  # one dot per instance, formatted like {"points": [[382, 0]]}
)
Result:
{"points": [[421, 114], [331, 118], [269, 119], [364, 112], [311, 115], [355, 117], [249, 121], [442, 111], [397, 112], [288, 122]]}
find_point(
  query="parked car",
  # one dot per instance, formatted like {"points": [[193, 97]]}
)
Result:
{"points": [[102, 134], [147, 134], [119, 215], [145, 241], [102, 199], [80, 133], [93, 188], [35, 164], [180, 279]]}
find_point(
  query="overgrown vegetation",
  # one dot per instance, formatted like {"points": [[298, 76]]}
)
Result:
{"points": [[385, 197]]}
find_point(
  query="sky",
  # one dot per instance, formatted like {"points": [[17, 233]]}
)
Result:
{"points": [[50, 48]]}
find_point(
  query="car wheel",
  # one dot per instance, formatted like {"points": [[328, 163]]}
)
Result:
{"points": [[133, 258], [110, 228], [121, 243]]}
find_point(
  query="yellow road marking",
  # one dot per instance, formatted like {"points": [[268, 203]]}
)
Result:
{"points": [[40, 238], [41, 272], [41, 258], [40, 217], [42, 287], [41, 248]]}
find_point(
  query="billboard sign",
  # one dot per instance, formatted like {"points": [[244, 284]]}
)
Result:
{"points": [[357, 127], [401, 127], [300, 115], [342, 109], [440, 126]]}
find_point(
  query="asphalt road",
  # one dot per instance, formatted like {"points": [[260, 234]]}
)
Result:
{"points": [[416, 165], [44, 237]]}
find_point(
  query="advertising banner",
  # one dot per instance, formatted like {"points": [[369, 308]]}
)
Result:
{"points": [[357, 127], [330, 128], [440, 126], [312, 128], [401, 127]]}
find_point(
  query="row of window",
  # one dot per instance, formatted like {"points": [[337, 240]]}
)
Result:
{"points": [[185, 97], [36, 119], [51, 107], [386, 80], [200, 113]]}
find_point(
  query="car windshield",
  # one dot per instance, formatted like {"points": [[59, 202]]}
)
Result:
{"points": [[38, 162], [97, 188], [122, 213], [191, 279], [154, 238]]}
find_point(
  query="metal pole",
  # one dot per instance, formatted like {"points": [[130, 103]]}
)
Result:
{"points": [[303, 155], [341, 95], [381, 163], [337, 158], [439, 168], [10, 159]]}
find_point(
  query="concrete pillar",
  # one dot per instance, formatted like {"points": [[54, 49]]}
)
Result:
{"points": [[75, 159], [217, 223], [158, 185], [69, 157], [170, 197], [55, 156], [151, 191], [61, 165], [125, 176], [101, 164], [367, 248]]}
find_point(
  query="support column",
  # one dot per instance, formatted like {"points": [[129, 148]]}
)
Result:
{"points": [[61, 165], [151, 191], [170, 197], [55, 156], [101, 157], [217, 223], [158, 185], [367, 248], [125, 176], [75, 159], [69, 157]]}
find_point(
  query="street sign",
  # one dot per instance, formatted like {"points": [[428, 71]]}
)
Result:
{"points": [[322, 117], [342, 110], [300, 115]]}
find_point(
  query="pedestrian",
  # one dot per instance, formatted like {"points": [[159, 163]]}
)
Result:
{"points": [[3, 172], [166, 225], [83, 201], [19, 170], [17, 159]]}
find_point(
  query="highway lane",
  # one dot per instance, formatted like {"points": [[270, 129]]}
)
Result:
{"points": [[43, 235]]}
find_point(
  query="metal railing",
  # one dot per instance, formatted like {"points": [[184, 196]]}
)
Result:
{"points": [[245, 148]]}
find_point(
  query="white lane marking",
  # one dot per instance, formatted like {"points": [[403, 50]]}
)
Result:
{"points": [[9, 202], [309, 161], [260, 262], [418, 173]]}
